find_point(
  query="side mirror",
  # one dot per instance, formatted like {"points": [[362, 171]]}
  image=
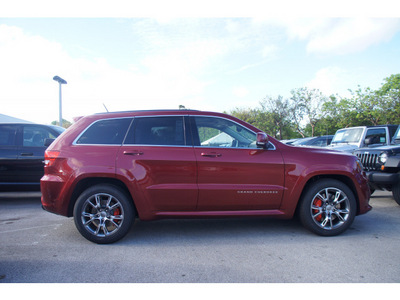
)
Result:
{"points": [[262, 140]]}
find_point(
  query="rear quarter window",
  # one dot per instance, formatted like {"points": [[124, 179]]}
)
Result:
{"points": [[105, 132]]}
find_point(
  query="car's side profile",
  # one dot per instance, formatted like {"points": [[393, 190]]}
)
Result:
{"points": [[108, 169]]}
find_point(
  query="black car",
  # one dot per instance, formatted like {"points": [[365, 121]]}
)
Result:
{"points": [[22, 147]]}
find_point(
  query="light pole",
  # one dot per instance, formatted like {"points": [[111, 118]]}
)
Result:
{"points": [[60, 81]]}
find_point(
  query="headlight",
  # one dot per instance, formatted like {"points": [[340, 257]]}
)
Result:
{"points": [[382, 158]]}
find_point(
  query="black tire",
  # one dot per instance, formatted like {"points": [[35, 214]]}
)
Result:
{"points": [[103, 214], [396, 193], [328, 207]]}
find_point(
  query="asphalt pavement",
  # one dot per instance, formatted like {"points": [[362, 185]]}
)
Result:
{"points": [[39, 247]]}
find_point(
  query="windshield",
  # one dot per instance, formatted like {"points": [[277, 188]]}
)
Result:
{"points": [[350, 135]]}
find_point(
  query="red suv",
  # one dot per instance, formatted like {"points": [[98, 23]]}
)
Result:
{"points": [[108, 169]]}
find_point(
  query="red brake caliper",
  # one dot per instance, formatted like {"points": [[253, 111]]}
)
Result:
{"points": [[117, 212], [317, 202]]}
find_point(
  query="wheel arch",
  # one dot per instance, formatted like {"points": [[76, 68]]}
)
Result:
{"points": [[342, 178], [85, 183]]}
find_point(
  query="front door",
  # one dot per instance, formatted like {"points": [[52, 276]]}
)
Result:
{"points": [[31, 153], [233, 174]]}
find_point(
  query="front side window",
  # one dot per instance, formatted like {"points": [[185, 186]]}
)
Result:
{"points": [[161, 131], [219, 132], [34, 136], [105, 132], [376, 136]]}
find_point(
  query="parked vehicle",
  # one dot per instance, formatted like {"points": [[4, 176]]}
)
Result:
{"points": [[108, 169], [316, 141], [22, 147], [289, 142], [353, 138], [382, 165]]}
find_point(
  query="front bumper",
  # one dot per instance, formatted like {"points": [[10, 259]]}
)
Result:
{"points": [[380, 178]]}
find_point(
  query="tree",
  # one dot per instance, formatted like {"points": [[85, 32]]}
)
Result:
{"points": [[309, 113], [66, 123], [368, 106], [279, 112], [391, 83], [306, 108], [389, 95]]}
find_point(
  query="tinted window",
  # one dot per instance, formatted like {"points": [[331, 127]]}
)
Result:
{"points": [[105, 132], [164, 131], [218, 132], [34, 136], [7, 135]]}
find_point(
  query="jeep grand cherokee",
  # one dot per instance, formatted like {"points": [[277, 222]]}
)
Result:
{"points": [[108, 169]]}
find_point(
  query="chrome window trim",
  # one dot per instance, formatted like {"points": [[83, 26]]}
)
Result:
{"points": [[74, 143]]}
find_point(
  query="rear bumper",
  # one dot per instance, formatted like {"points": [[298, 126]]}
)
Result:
{"points": [[52, 191]]}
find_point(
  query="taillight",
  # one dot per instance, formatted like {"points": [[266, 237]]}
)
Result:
{"points": [[50, 157]]}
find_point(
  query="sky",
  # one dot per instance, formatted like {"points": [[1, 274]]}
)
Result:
{"points": [[203, 60]]}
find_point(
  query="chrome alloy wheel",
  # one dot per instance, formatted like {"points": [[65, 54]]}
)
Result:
{"points": [[330, 208], [102, 214]]}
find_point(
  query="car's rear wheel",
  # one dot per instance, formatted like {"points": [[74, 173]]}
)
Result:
{"points": [[328, 207], [103, 214]]}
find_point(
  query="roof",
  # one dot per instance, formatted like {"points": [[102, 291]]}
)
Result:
{"points": [[9, 119]]}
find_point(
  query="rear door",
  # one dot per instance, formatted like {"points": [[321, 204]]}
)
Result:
{"points": [[232, 173], [158, 158]]}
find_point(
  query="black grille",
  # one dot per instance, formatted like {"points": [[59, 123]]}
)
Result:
{"points": [[369, 161]]}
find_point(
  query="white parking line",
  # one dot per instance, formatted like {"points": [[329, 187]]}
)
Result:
{"points": [[22, 229]]}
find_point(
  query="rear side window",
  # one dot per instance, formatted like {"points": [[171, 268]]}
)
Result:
{"points": [[162, 131], [7, 135], [105, 132]]}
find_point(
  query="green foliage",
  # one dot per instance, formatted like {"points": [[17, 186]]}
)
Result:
{"points": [[66, 123], [310, 113]]}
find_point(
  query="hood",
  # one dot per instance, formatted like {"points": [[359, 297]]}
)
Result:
{"points": [[324, 150], [343, 147], [393, 147]]}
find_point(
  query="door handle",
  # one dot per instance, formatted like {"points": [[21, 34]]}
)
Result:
{"points": [[133, 153], [212, 154], [26, 154]]}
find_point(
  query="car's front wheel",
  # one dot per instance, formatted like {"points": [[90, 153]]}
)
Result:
{"points": [[396, 193], [328, 207], [103, 214]]}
